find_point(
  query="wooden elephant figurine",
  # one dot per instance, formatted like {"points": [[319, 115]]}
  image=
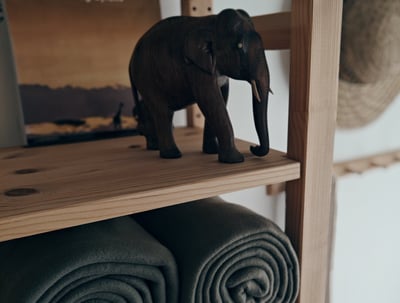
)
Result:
{"points": [[182, 60]]}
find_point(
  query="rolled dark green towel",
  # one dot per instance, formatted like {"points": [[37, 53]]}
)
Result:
{"points": [[225, 252], [109, 261]]}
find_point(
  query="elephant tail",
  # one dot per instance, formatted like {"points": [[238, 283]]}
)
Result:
{"points": [[136, 112], [135, 94]]}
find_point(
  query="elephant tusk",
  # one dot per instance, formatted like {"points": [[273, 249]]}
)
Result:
{"points": [[255, 90]]}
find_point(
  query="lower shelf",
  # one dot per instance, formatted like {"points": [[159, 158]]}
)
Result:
{"points": [[49, 188]]}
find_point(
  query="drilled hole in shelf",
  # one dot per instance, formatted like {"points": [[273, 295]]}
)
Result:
{"points": [[135, 146], [25, 171], [17, 192], [194, 8], [209, 9]]}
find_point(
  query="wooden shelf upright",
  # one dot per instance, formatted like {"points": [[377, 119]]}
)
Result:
{"points": [[314, 69], [313, 37]]}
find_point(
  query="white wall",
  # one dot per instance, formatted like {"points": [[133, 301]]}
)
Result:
{"points": [[366, 262]]}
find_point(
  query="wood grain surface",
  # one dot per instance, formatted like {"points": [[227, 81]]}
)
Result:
{"points": [[315, 40], [48, 188]]}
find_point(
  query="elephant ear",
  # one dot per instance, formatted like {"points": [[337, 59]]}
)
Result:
{"points": [[245, 15], [198, 50]]}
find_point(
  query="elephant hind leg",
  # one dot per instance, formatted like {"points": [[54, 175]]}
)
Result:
{"points": [[167, 145], [146, 125], [162, 117]]}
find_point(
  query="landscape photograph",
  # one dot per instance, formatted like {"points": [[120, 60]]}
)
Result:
{"points": [[72, 60]]}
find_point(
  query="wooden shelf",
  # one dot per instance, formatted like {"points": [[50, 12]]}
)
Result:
{"points": [[72, 184]]}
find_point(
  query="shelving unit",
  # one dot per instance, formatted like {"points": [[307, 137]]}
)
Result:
{"points": [[48, 188]]}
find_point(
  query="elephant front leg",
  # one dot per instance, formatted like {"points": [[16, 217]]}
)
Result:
{"points": [[210, 142], [216, 114], [145, 125], [227, 151]]}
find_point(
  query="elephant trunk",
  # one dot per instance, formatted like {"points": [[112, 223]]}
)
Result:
{"points": [[260, 91]]}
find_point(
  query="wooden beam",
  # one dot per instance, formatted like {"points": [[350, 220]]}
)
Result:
{"points": [[276, 189], [274, 30], [361, 165], [315, 40], [353, 166]]}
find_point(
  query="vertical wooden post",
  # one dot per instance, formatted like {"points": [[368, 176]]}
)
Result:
{"points": [[196, 8], [315, 39]]}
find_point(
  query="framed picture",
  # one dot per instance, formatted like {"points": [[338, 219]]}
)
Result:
{"points": [[72, 60]]}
